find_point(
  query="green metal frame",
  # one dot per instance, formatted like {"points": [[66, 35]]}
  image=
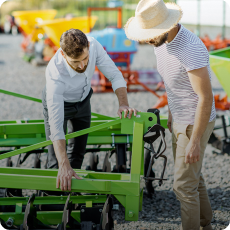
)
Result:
{"points": [[127, 188], [220, 64], [50, 217]]}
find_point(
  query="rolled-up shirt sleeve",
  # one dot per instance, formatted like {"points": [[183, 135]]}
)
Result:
{"points": [[108, 68], [55, 104]]}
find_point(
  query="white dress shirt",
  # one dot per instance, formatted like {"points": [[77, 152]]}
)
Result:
{"points": [[65, 84]]}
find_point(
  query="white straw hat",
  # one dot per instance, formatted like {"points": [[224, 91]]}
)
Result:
{"points": [[152, 19]]}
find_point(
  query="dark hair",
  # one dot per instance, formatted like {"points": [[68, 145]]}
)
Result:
{"points": [[73, 42]]}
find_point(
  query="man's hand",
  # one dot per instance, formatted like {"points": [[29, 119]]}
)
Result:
{"points": [[127, 110], [123, 103], [192, 152], [65, 174]]}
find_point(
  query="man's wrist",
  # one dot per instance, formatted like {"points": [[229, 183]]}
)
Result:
{"points": [[195, 139], [64, 162]]}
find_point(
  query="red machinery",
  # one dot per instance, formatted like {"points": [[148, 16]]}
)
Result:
{"points": [[217, 43]]}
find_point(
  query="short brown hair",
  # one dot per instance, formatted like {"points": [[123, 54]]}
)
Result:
{"points": [[73, 42]]}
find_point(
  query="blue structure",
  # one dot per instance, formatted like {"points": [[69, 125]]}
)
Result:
{"points": [[114, 3], [114, 41]]}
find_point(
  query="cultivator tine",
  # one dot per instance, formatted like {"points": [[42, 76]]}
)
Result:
{"points": [[106, 216], [30, 217], [67, 218], [106, 164]]}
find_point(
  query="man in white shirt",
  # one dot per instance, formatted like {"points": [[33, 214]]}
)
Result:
{"points": [[67, 98], [183, 63]]}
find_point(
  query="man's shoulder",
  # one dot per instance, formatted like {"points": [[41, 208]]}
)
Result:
{"points": [[93, 42], [90, 39], [189, 38]]}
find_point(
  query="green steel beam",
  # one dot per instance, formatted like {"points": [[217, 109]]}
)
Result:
{"points": [[68, 136], [97, 116], [20, 96], [85, 185], [149, 119], [137, 156], [48, 218], [53, 200]]}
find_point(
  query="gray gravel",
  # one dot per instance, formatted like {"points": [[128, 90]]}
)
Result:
{"points": [[160, 212]]}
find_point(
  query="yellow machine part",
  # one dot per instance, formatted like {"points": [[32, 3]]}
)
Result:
{"points": [[54, 28], [28, 20]]}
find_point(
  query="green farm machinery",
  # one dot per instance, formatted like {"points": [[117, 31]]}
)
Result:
{"points": [[220, 64], [89, 205]]}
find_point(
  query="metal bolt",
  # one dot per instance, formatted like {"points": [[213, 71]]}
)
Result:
{"points": [[9, 222], [82, 210], [138, 116], [150, 118], [100, 210], [116, 207], [130, 214]]}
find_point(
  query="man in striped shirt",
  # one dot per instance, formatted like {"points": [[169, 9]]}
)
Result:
{"points": [[183, 62]]}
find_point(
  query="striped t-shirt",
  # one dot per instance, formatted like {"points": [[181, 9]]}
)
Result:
{"points": [[184, 53]]}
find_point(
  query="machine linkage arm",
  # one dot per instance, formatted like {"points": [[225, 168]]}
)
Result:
{"points": [[150, 137]]}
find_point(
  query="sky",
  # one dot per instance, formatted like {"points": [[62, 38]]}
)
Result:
{"points": [[211, 12]]}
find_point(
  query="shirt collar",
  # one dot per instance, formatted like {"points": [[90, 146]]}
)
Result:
{"points": [[177, 36]]}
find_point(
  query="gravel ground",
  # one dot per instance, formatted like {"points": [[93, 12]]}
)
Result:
{"points": [[160, 212]]}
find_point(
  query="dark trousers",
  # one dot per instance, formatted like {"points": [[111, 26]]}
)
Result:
{"points": [[77, 116]]}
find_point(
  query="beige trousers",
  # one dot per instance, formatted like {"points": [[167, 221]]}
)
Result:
{"points": [[189, 185]]}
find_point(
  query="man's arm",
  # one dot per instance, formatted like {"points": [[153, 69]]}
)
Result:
{"points": [[55, 104], [123, 103], [201, 85], [110, 70], [65, 172]]}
